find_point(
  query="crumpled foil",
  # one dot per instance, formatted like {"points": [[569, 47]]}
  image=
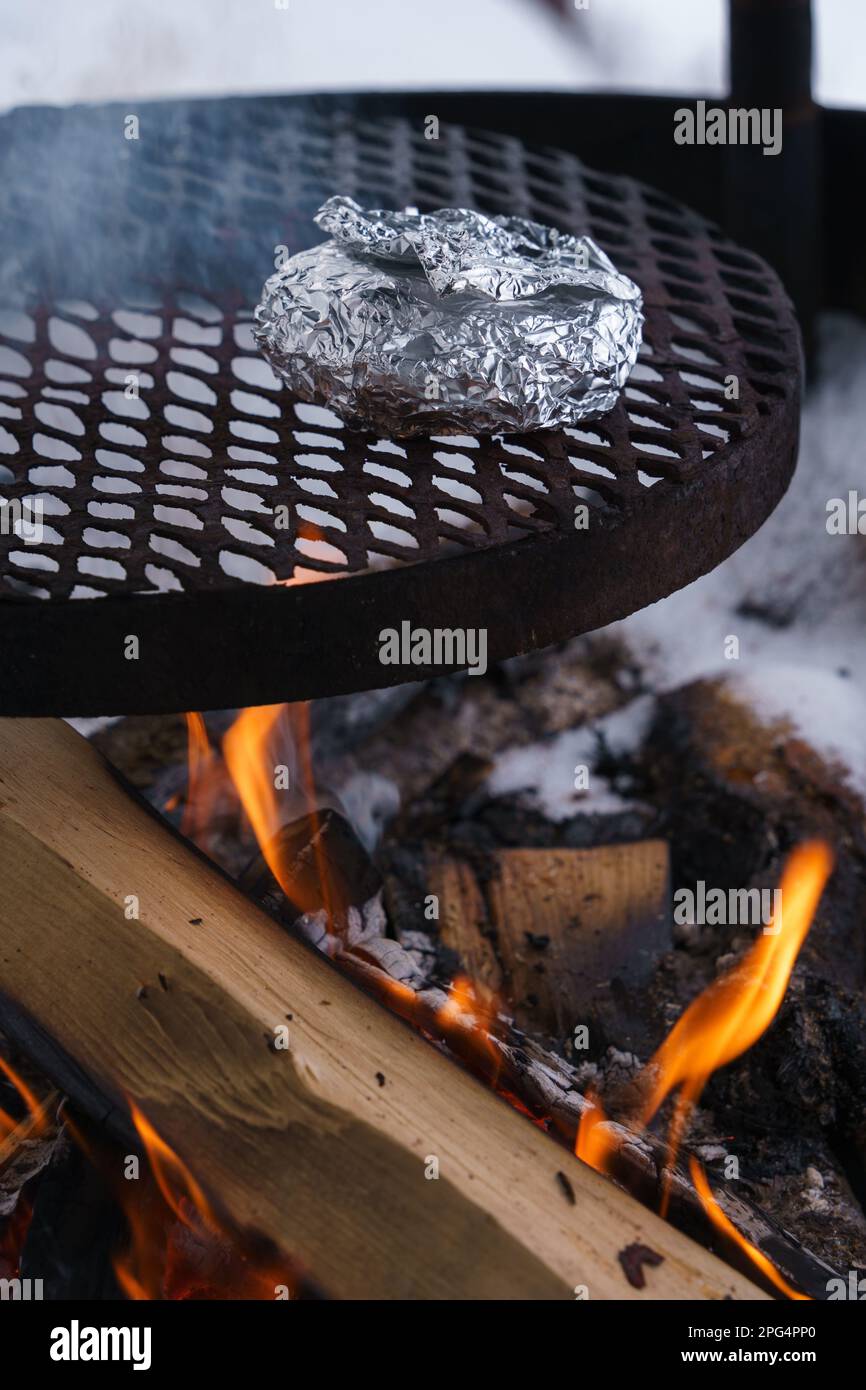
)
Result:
{"points": [[450, 321]]}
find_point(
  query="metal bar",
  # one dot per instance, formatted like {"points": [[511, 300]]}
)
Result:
{"points": [[774, 199]]}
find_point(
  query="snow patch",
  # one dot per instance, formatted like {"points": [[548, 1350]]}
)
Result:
{"points": [[823, 708], [544, 773]]}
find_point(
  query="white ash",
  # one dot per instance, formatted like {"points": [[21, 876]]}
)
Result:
{"points": [[587, 1076], [814, 1197], [420, 949], [711, 1153], [362, 925], [616, 1069]]}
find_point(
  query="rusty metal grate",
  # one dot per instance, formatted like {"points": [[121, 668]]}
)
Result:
{"points": [[211, 481]]}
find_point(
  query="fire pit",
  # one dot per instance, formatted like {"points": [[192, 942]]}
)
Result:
{"points": [[190, 509]]}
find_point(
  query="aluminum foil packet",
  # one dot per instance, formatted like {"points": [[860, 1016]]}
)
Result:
{"points": [[450, 322]]}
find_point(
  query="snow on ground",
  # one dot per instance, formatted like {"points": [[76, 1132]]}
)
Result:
{"points": [[807, 655], [794, 596], [823, 707], [547, 770]]}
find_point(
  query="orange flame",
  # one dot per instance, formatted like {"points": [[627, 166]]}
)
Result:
{"points": [[178, 1247], [257, 742], [720, 1025], [464, 998], [261, 740], [468, 1016], [173, 1178], [206, 781], [35, 1108], [727, 1227], [13, 1229], [739, 1007], [250, 766], [142, 1270], [594, 1143]]}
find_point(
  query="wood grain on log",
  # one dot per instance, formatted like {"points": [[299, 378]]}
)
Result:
{"points": [[177, 1009], [462, 918], [568, 921]]}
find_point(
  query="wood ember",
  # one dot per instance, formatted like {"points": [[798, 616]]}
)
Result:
{"points": [[320, 843], [567, 936], [464, 927], [26, 1151]]}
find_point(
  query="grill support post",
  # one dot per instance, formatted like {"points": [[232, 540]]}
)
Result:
{"points": [[774, 201]]}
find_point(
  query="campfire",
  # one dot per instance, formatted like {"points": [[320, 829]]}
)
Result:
{"points": [[516, 964], [431, 763]]}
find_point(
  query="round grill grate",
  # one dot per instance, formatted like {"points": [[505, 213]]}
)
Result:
{"points": [[185, 489]]}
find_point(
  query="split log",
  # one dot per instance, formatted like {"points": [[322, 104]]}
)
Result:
{"points": [[463, 921], [570, 922], [322, 1147]]}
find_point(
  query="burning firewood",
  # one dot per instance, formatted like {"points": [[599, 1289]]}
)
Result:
{"points": [[566, 922], [466, 1018], [549, 1085], [137, 971], [24, 1152], [26, 1143]]}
